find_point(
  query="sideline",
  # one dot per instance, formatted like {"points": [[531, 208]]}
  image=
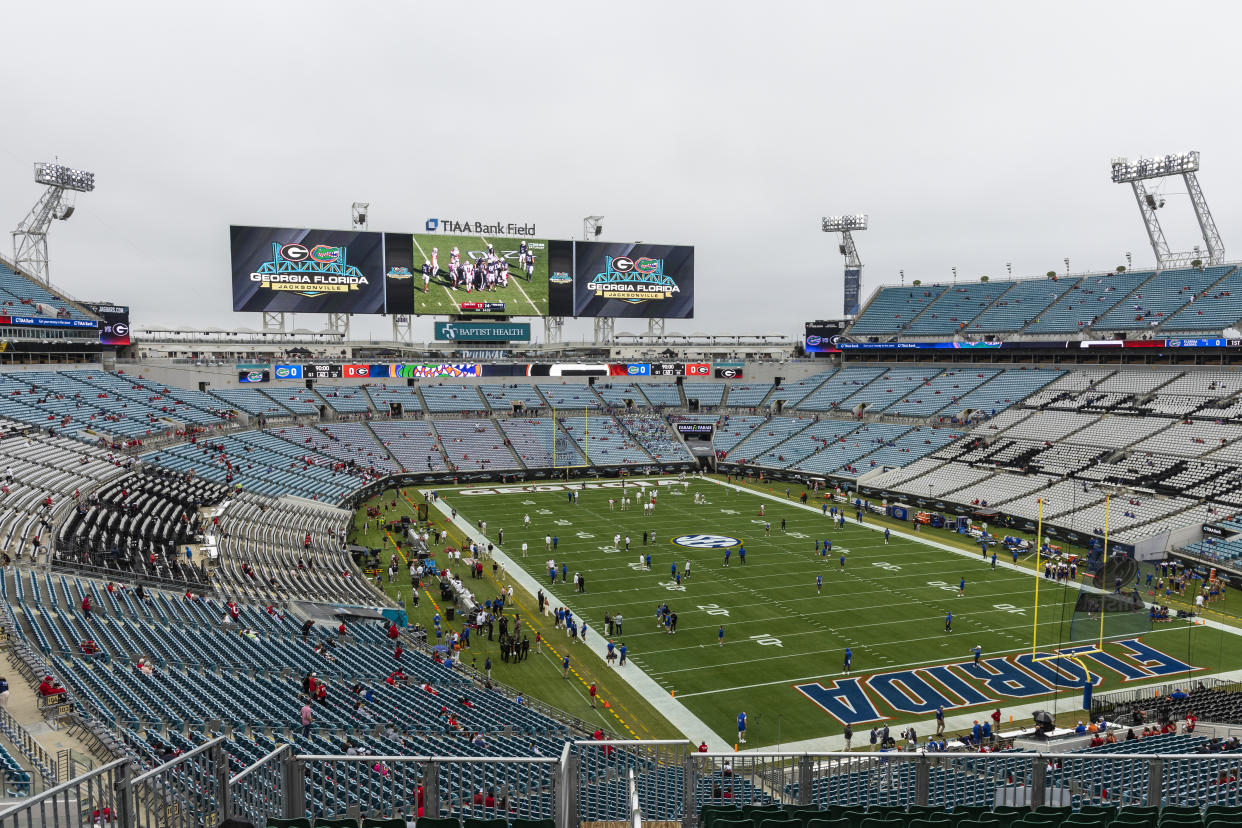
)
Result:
{"points": [[691, 726]]}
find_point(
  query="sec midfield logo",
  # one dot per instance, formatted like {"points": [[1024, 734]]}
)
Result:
{"points": [[706, 541]]}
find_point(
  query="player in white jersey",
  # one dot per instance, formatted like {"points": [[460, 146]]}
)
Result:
{"points": [[454, 257], [530, 267], [435, 260]]}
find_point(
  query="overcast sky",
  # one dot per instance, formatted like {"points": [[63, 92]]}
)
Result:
{"points": [[974, 134]]}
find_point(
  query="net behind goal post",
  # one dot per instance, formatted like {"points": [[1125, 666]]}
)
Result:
{"points": [[1100, 612]]}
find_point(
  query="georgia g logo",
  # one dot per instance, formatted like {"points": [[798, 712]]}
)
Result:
{"points": [[706, 541]]}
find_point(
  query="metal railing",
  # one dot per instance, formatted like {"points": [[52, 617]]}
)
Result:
{"points": [[660, 773], [259, 791], [636, 810], [614, 781], [188, 792], [435, 786], [31, 749], [101, 796]]}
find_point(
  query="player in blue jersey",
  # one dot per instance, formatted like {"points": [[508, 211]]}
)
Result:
{"points": [[886, 534], [741, 727], [948, 622], [849, 660], [819, 584], [961, 588], [728, 552], [720, 635], [978, 653]]}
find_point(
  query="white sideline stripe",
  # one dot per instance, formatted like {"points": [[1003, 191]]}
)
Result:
{"points": [[830, 743], [691, 726], [518, 285]]}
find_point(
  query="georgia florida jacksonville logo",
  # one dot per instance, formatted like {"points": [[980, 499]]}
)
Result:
{"points": [[633, 280], [311, 270]]}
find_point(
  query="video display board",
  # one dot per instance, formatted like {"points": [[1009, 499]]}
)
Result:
{"points": [[491, 276], [622, 280], [823, 337], [115, 323], [299, 270]]}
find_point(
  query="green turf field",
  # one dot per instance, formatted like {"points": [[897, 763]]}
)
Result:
{"points": [[888, 603], [523, 297]]}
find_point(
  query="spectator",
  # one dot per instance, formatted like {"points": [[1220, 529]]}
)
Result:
{"points": [[50, 687], [307, 718]]}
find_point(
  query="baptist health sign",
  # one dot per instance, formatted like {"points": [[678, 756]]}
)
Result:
{"points": [[483, 331]]}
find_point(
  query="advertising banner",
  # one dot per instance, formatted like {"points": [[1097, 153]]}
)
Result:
{"points": [[701, 429], [298, 270], [624, 280], [399, 270], [47, 322], [256, 375], [285, 372], [853, 285], [483, 331], [729, 372]]}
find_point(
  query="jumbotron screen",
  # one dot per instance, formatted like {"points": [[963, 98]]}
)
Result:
{"points": [[621, 280], [300, 270]]}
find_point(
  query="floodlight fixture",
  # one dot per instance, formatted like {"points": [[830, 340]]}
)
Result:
{"points": [[841, 224], [68, 178], [1125, 170], [358, 213]]}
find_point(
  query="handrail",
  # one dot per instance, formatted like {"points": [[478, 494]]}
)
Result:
{"points": [[26, 743], [219, 740], [254, 767], [499, 760], [67, 785], [636, 810]]}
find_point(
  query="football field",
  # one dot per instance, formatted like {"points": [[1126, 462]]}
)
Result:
{"points": [[523, 296], [782, 657]]}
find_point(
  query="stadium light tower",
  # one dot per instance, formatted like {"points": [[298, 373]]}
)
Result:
{"points": [[846, 225], [1186, 164], [57, 203]]}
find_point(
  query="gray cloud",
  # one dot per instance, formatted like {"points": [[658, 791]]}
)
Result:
{"points": [[973, 133]]}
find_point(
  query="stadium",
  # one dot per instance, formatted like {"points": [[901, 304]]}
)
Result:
{"points": [[393, 526]]}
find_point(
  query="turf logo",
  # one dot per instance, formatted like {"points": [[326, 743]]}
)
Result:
{"points": [[706, 541]]}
